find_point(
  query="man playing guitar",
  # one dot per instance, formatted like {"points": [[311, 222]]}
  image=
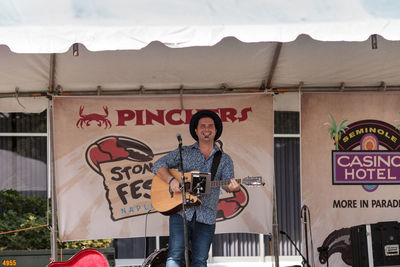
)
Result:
{"points": [[205, 128]]}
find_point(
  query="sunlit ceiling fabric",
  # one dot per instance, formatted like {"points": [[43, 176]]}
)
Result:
{"points": [[46, 26]]}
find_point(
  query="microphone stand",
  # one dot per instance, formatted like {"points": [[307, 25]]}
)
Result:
{"points": [[304, 209], [184, 201], [291, 241]]}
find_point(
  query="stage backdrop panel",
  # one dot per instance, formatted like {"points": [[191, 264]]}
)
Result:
{"points": [[105, 148], [350, 158]]}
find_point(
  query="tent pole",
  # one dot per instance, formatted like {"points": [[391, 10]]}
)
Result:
{"points": [[382, 87], [50, 162], [274, 63], [52, 72], [275, 230]]}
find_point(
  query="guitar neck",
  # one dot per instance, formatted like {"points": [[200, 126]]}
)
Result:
{"points": [[223, 182]]}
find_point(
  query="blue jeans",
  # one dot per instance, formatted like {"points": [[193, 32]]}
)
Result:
{"points": [[200, 235]]}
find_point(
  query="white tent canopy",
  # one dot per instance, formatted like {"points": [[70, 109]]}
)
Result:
{"points": [[45, 26], [155, 46]]}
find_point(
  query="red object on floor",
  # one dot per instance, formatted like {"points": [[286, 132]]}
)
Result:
{"points": [[84, 258]]}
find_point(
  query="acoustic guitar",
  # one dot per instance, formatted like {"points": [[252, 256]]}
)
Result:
{"points": [[84, 258], [168, 203]]}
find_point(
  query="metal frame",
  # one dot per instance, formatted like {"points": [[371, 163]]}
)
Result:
{"points": [[340, 88]]}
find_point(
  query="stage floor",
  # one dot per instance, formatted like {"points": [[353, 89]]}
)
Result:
{"points": [[228, 262]]}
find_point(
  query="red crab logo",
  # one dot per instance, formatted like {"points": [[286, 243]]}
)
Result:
{"points": [[231, 205], [87, 119]]}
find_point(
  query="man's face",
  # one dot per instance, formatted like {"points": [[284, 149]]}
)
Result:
{"points": [[206, 129]]}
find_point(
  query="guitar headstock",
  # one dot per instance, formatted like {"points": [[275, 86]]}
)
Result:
{"points": [[253, 181]]}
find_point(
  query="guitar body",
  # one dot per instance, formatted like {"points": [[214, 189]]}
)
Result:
{"points": [[84, 258], [161, 198]]}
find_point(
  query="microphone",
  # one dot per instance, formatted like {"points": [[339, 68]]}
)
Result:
{"points": [[179, 137], [294, 244]]}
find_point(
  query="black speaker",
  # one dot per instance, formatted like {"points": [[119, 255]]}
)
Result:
{"points": [[358, 241], [377, 243], [364, 245]]}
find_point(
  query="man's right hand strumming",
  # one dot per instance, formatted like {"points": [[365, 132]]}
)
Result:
{"points": [[175, 185], [169, 179]]}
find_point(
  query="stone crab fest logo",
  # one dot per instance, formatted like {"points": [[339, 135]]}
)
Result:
{"points": [[367, 153], [125, 165]]}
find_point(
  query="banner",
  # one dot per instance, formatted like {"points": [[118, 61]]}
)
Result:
{"points": [[350, 154], [105, 148]]}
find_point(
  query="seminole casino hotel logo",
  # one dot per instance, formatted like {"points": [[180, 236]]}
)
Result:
{"points": [[367, 153]]}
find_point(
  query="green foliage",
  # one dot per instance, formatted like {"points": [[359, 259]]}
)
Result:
{"points": [[100, 243], [20, 212], [12, 200]]}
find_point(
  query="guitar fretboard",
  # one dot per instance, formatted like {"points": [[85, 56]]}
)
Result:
{"points": [[223, 182]]}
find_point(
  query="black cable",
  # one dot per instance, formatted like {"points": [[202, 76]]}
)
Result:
{"points": [[308, 214], [145, 236], [305, 261], [311, 238]]}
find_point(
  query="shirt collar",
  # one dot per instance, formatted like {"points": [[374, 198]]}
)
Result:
{"points": [[196, 146]]}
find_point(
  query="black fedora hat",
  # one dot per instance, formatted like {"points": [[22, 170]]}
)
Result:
{"points": [[205, 114]]}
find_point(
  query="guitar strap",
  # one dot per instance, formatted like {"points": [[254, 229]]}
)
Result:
{"points": [[215, 163]]}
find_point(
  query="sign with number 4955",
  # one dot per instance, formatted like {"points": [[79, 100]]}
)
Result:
{"points": [[9, 262]]}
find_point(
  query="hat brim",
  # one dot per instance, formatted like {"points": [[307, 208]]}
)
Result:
{"points": [[202, 114]]}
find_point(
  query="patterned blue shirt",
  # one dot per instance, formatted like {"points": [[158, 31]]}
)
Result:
{"points": [[193, 160]]}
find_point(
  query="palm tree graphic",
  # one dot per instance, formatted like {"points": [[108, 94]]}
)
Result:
{"points": [[398, 125], [335, 131]]}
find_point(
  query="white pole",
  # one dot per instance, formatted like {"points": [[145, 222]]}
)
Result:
{"points": [[157, 242], [51, 181], [262, 247]]}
